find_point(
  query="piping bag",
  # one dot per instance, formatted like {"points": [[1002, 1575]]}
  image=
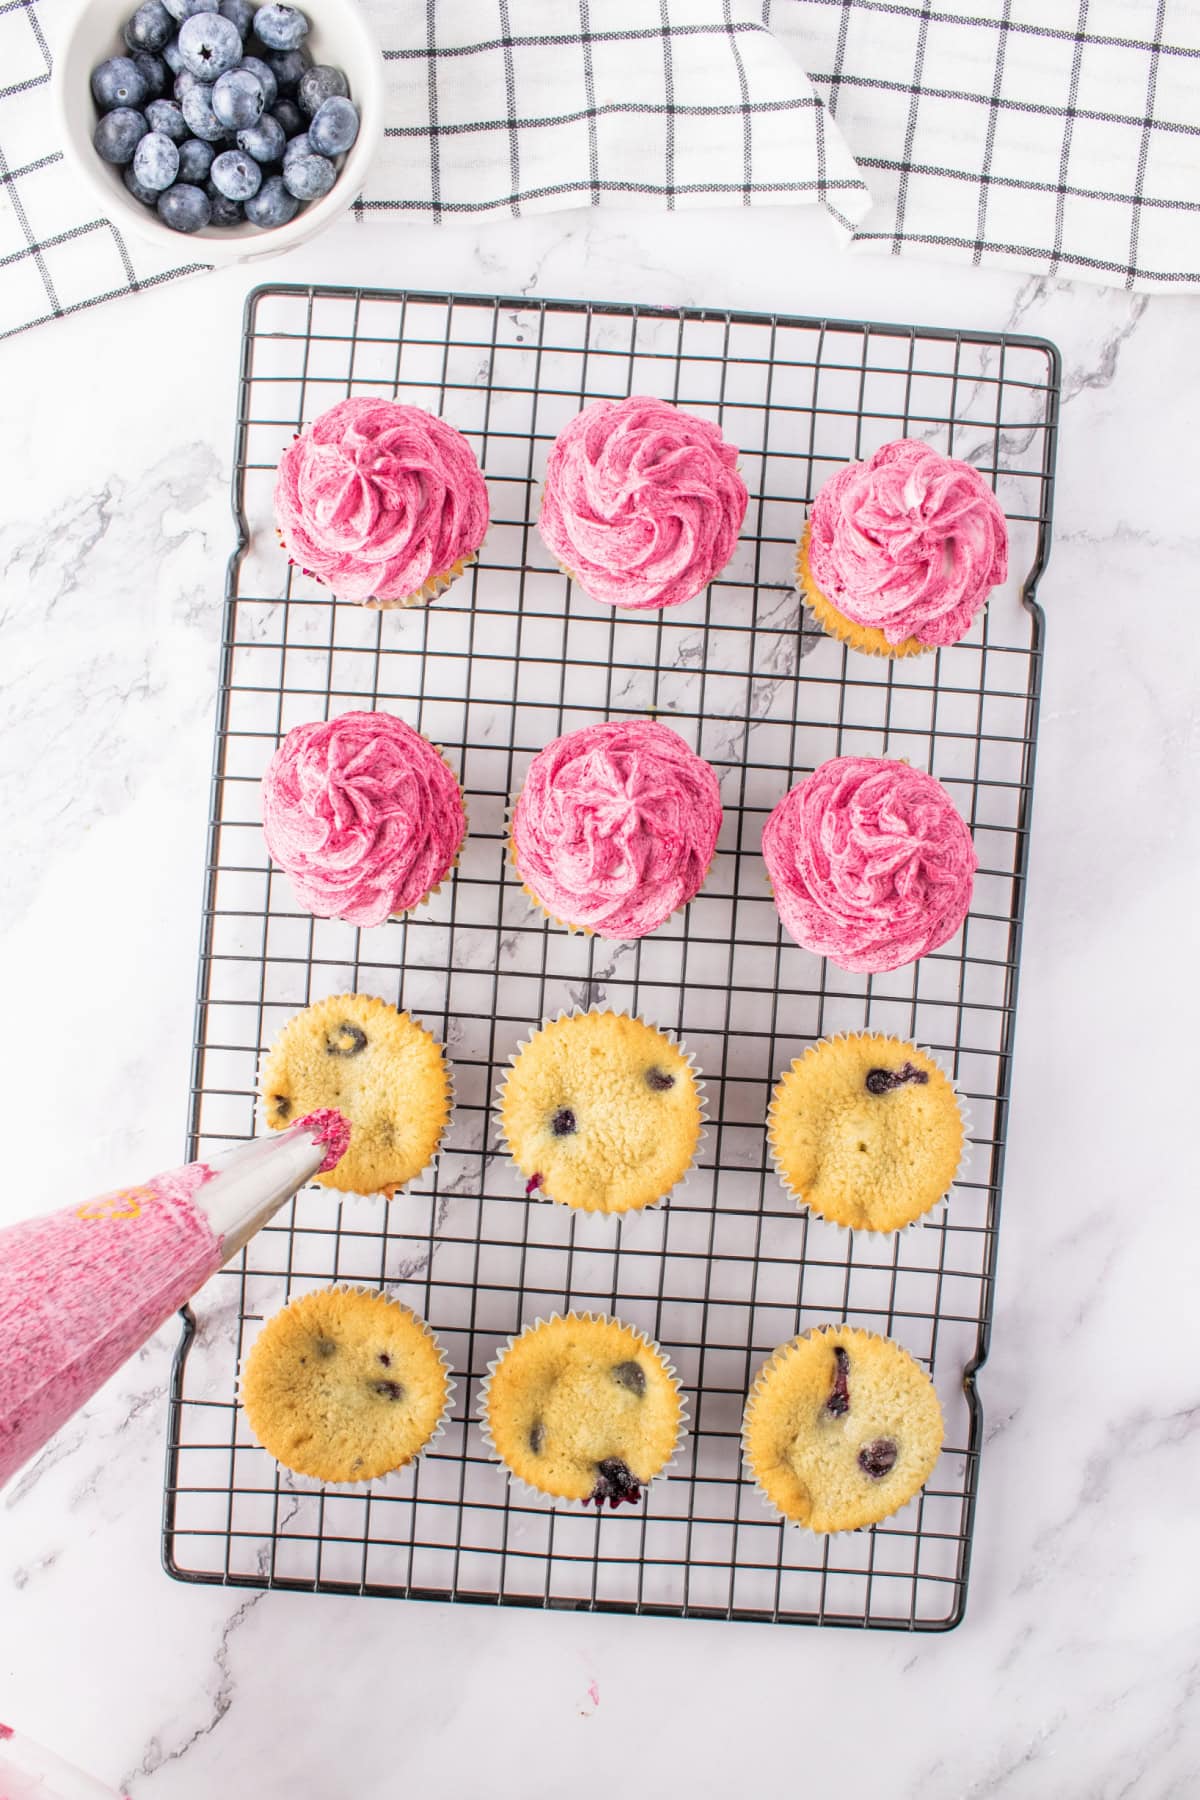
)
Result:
{"points": [[81, 1290]]}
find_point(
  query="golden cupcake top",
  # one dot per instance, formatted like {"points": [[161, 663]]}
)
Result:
{"points": [[866, 1131], [601, 1112], [344, 1385], [583, 1408], [378, 1067], [841, 1429]]}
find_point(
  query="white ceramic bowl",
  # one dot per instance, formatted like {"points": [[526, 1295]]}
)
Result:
{"points": [[339, 35]]}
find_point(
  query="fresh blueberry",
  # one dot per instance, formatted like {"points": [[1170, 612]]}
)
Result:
{"points": [[272, 205], [308, 177], [209, 45], [255, 65], [235, 175], [147, 196], [334, 126], [118, 135], [319, 84], [166, 117], [185, 9], [280, 27], [118, 82], [239, 13], [172, 57], [288, 66], [238, 99], [195, 160], [224, 212], [264, 141], [185, 81], [297, 146], [153, 71], [289, 116], [202, 121], [150, 27], [185, 208], [156, 161]]}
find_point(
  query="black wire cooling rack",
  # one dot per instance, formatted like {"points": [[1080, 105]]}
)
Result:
{"points": [[509, 658]]}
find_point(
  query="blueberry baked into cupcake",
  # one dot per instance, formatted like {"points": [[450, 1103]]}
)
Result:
{"points": [[601, 1112], [841, 1429], [383, 503], [866, 1131], [345, 1385], [583, 1408], [383, 1071], [642, 503], [901, 552]]}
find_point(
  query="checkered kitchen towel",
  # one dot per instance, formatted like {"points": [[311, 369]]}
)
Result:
{"points": [[1061, 136]]}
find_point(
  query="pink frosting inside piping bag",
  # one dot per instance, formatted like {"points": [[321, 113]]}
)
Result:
{"points": [[911, 543], [363, 814], [643, 502], [375, 498], [328, 1127], [870, 862], [616, 826]]}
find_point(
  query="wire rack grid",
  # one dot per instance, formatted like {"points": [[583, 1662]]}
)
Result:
{"points": [[510, 657]]}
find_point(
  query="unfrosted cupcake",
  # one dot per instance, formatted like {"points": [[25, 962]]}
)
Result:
{"points": [[870, 863], [385, 1073], [642, 503], [615, 827], [345, 1385], [901, 552], [583, 1408], [866, 1131], [383, 503], [601, 1112], [363, 814], [841, 1429]]}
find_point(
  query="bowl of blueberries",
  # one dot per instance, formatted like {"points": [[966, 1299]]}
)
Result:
{"points": [[246, 126]]}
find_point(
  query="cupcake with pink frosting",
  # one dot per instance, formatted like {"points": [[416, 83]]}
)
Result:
{"points": [[642, 503], [901, 552], [615, 827], [363, 815], [383, 503], [870, 863]]}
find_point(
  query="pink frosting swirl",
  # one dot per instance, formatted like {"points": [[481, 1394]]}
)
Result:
{"points": [[870, 862], [642, 503], [375, 499], [616, 826], [363, 814], [910, 543]]}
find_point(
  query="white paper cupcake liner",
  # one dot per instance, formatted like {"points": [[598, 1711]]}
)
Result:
{"points": [[524, 1488], [673, 1037], [842, 632], [777, 1356], [448, 1126], [939, 1206], [390, 1482]]}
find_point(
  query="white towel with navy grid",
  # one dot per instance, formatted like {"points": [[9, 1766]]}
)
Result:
{"points": [[1059, 136]]}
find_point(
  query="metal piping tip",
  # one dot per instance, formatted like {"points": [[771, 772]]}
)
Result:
{"points": [[253, 1180]]}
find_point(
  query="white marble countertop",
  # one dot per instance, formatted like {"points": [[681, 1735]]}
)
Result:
{"points": [[1074, 1672]]}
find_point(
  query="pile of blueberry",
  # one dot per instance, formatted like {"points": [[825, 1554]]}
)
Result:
{"points": [[252, 126]]}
